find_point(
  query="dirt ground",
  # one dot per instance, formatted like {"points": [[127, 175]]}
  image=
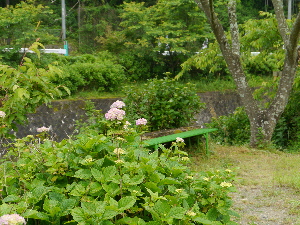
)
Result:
{"points": [[261, 199]]}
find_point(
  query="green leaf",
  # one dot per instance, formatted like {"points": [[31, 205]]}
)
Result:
{"points": [[162, 207], [109, 173], [34, 214], [177, 212], [152, 186], [83, 174], [6, 208], [95, 187], [21, 92], [212, 214], [109, 214], [169, 180], [131, 221], [78, 214], [78, 190], [52, 207], [112, 189], [126, 202], [11, 198], [98, 175]]}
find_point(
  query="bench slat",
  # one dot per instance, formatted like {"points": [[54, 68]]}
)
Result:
{"points": [[172, 137]]}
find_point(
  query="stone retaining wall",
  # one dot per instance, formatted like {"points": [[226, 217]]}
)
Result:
{"points": [[61, 115]]}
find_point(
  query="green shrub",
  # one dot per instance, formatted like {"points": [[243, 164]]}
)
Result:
{"points": [[136, 68], [287, 131], [233, 129], [109, 179], [90, 72], [164, 103]]}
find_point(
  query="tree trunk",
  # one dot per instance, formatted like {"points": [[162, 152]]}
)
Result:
{"points": [[262, 120]]}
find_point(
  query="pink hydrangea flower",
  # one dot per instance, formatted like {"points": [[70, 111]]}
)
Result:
{"points": [[141, 121], [115, 114], [13, 219], [43, 129], [118, 104]]}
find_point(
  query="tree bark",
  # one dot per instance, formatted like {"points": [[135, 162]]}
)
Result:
{"points": [[262, 120]]}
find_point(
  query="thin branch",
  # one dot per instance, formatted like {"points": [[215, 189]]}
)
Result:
{"points": [[295, 33], [282, 25]]}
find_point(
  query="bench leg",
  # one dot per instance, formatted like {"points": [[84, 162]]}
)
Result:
{"points": [[206, 143]]}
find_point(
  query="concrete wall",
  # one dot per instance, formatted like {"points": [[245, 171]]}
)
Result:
{"points": [[61, 115]]}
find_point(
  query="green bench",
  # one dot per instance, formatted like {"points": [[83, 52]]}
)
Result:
{"points": [[154, 142]]}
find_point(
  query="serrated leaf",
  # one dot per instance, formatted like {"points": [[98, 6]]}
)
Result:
{"points": [[109, 172], [177, 212], [5, 208], [162, 207], [126, 202], [112, 189], [97, 174], [152, 186], [51, 206], [11, 198], [83, 174], [78, 214], [35, 215], [95, 187], [109, 214], [135, 180], [131, 221], [78, 190]]}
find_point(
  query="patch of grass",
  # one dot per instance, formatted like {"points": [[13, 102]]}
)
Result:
{"points": [[268, 184], [287, 171], [94, 94]]}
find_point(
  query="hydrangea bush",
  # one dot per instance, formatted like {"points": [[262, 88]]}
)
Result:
{"points": [[97, 178]]}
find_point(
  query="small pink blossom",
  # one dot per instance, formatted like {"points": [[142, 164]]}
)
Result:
{"points": [[179, 139], [141, 121], [115, 114], [118, 104], [2, 114], [126, 126], [13, 219], [43, 129]]}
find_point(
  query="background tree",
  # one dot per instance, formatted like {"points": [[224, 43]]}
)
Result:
{"points": [[164, 34], [20, 26], [262, 119]]}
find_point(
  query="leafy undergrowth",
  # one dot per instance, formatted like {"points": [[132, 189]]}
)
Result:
{"points": [[268, 183]]}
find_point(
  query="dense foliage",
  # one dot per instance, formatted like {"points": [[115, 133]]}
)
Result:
{"points": [[97, 178], [165, 103], [233, 129], [23, 89], [100, 72]]}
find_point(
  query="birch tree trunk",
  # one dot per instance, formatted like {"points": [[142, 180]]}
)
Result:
{"points": [[262, 120]]}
